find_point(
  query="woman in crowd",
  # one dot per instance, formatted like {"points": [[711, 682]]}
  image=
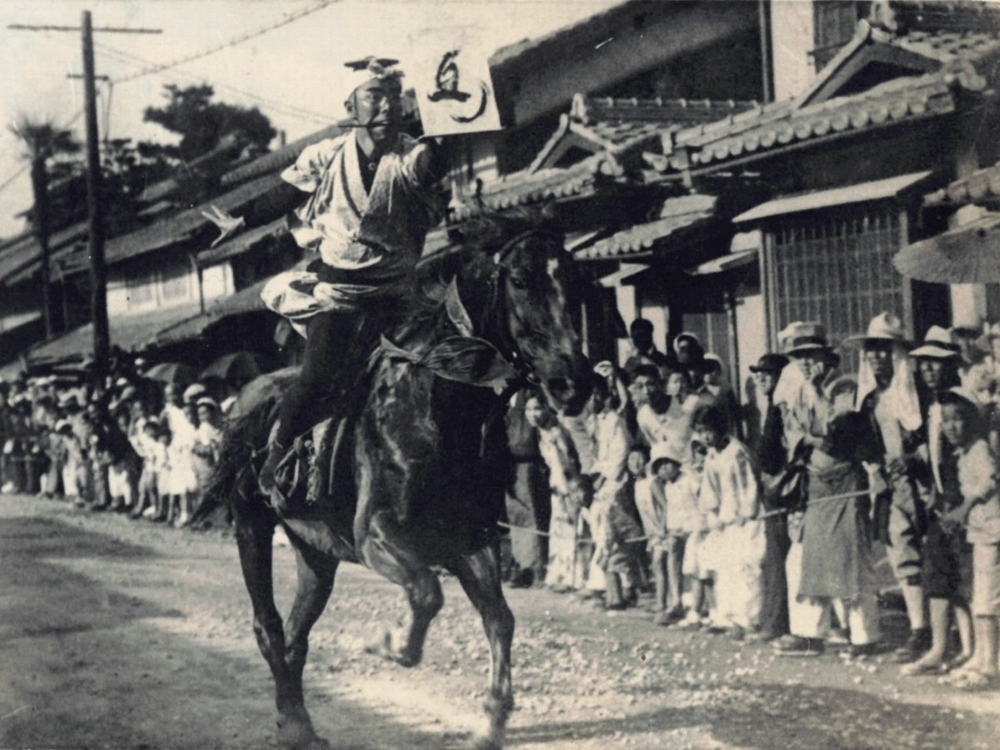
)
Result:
{"points": [[965, 433], [730, 498]]}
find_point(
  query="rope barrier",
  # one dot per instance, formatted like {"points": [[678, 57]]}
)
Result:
{"points": [[761, 517]]}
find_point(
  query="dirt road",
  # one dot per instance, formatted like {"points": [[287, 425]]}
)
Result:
{"points": [[118, 634]]}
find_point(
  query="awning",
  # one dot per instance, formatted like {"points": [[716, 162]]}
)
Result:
{"points": [[242, 243], [842, 196], [678, 219], [725, 263], [129, 332], [625, 271], [244, 301]]}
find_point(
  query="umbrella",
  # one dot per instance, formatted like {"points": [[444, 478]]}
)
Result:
{"points": [[967, 254], [236, 366], [171, 372]]}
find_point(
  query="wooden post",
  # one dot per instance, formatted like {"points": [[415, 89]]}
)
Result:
{"points": [[95, 211]]}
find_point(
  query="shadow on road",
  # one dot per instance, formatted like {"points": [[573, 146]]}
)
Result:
{"points": [[87, 665]]}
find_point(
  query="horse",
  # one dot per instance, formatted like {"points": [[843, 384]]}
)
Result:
{"points": [[418, 473]]}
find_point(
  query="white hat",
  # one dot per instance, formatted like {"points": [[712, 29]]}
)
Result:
{"points": [[883, 327], [802, 336], [666, 450], [193, 392], [208, 401], [939, 343]]}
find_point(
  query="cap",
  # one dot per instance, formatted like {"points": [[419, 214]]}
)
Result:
{"points": [[939, 343], [773, 363], [802, 336]]}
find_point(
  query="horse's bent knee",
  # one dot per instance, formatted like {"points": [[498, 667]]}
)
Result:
{"points": [[426, 596]]}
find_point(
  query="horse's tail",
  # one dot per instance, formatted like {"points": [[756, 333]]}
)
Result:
{"points": [[234, 478]]}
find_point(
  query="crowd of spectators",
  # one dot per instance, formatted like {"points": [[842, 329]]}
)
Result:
{"points": [[767, 521], [137, 446]]}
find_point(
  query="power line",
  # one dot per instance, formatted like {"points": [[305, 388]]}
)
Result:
{"points": [[280, 107], [290, 18]]}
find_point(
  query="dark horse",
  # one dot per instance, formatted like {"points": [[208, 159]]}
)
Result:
{"points": [[418, 478]]}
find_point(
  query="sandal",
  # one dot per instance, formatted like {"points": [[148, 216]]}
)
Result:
{"points": [[915, 669]]}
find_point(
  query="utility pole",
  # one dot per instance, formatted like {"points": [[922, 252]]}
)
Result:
{"points": [[95, 199]]}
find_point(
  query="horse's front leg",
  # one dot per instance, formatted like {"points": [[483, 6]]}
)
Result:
{"points": [[387, 549], [479, 574], [315, 583]]}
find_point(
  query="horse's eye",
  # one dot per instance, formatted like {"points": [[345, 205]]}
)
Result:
{"points": [[518, 283]]}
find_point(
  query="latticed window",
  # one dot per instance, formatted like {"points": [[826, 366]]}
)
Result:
{"points": [[837, 270]]}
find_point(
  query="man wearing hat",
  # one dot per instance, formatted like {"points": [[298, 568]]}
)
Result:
{"points": [[364, 203], [887, 393], [938, 361], [762, 420], [805, 412]]}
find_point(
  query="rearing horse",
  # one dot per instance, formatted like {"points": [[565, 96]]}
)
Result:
{"points": [[418, 478]]}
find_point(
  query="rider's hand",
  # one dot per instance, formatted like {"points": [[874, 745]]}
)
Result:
{"points": [[229, 225]]}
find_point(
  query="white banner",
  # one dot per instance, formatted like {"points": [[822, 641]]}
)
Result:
{"points": [[449, 70]]}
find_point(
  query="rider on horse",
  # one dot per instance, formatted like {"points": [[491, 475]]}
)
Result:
{"points": [[367, 212]]}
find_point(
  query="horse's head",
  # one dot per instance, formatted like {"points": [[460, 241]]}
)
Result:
{"points": [[518, 275]]}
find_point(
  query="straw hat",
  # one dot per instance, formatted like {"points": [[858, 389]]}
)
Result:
{"points": [[883, 327], [193, 392], [938, 344], [800, 337]]}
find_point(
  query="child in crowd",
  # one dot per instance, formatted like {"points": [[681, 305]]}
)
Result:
{"points": [[963, 429], [665, 543], [730, 498], [696, 525]]}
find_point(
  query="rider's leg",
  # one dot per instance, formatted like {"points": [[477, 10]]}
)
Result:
{"points": [[327, 339]]}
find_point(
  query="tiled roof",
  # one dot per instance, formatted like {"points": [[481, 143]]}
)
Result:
{"points": [[22, 258], [621, 123], [678, 215], [244, 301], [948, 46], [183, 227], [981, 185], [525, 187], [278, 159], [780, 124]]}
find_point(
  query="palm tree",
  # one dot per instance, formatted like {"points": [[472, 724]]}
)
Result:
{"points": [[43, 143]]}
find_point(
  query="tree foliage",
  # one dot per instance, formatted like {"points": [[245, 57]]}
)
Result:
{"points": [[202, 123]]}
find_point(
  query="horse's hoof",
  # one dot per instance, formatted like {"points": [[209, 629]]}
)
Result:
{"points": [[385, 648], [487, 742], [296, 733]]}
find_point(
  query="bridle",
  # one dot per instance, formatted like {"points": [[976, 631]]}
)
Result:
{"points": [[496, 310]]}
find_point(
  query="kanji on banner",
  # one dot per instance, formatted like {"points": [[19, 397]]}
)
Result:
{"points": [[450, 72]]}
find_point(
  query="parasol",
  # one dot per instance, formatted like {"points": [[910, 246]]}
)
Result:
{"points": [[967, 254], [171, 372], [235, 366]]}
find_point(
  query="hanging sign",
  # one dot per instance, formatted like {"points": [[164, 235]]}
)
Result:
{"points": [[450, 73]]}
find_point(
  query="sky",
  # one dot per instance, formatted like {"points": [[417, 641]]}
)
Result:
{"points": [[293, 73]]}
